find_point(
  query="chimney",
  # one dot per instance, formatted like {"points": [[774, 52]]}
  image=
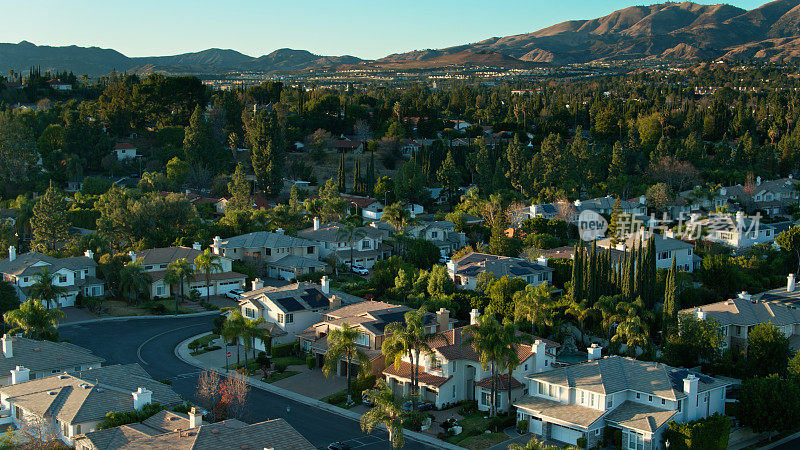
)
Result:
{"points": [[12, 253], [758, 181], [217, 242], [132, 255], [8, 346], [197, 246], [443, 319], [452, 267], [325, 282], [473, 316], [195, 418], [89, 254], [700, 314], [739, 217], [335, 302], [621, 246], [316, 223], [790, 282], [690, 384], [141, 398], [542, 260], [20, 375], [744, 295], [257, 284], [642, 200], [595, 352], [279, 231], [539, 348]]}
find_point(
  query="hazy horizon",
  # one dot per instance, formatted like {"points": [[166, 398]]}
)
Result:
{"points": [[257, 28]]}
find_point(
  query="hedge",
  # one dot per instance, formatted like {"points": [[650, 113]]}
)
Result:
{"points": [[711, 433], [285, 349]]}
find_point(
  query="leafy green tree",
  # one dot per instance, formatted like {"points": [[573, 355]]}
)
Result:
{"points": [[533, 444], [208, 262], [768, 350], [133, 280], [789, 241], [659, 196], [532, 304], [769, 404], [239, 190], [34, 321], [266, 152], [342, 346], [421, 253], [49, 222], [711, 433], [176, 171], [696, 341], [449, 176], [8, 297], [439, 282], [234, 330], [17, 148], [198, 141], [388, 412]]}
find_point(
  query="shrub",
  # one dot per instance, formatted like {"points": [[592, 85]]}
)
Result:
{"points": [[156, 308], [523, 426], [285, 349], [311, 362], [194, 345], [280, 368], [337, 398], [711, 433], [414, 420], [219, 322], [581, 442], [117, 418], [468, 407], [361, 384]]}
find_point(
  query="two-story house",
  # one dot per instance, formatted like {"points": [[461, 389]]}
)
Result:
{"points": [[453, 371], [599, 205], [276, 254], [72, 403], [360, 246], [772, 197], [737, 231], [442, 233], [289, 310], [155, 262], [465, 270], [737, 316], [125, 151], [42, 358], [666, 248], [77, 275], [616, 393], [370, 318]]}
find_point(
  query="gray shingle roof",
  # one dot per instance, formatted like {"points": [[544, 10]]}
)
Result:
{"points": [[582, 416], [86, 396], [265, 239], [333, 232], [474, 263], [23, 265], [776, 308], [639, 416], [290, 298], [167, 255], [45, 356]]}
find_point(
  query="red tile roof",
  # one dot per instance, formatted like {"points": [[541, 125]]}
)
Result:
{"points": [[404, 371], [124, 146], [501, 383]]}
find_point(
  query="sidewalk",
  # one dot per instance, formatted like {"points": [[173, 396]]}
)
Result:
{"points": [[162, 316], [183, 353]]}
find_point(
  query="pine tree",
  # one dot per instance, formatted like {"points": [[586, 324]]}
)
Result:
{"points": [[49, 222], [239, 190], [198, 141], [267, 154], [670, 300], [357, 177], [613, 224]]}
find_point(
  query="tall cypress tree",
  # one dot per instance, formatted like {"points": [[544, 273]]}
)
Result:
{"points": [[371, 172], [592, 277], [613, 224], [357, 177], [577, 273], [670, 301], [340, 173]]}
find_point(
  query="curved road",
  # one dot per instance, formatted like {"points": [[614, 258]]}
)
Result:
{"points": [[151, 344]]}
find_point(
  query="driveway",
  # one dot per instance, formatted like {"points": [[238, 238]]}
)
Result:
{"points": [[312, 383], [74, 314]]}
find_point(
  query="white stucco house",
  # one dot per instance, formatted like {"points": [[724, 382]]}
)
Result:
{"points": [[666, 248], [442, 233], [603, 394], [366, 243], [277, 254], [77, 275], [738, 231], [465, 270]]}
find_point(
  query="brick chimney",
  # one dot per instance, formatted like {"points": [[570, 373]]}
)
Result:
{"points": [[443, 319]]}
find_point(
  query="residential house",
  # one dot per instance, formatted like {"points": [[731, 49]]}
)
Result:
{"points": [[258, 202], [771, 198], [170, 430], [666, 249], [370, 318], [615, 393], [74, 403], [465, 270], [42, 358], [347, 146], [9, 216], [736, 231], [125, 151], [155, 262], [288, 310], [600, 205], [364, 247], [737, 316], [77, 275], [442, 233], [453, 372], [276, 254], [59, 85]]}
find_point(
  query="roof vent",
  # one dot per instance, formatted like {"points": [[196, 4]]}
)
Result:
{"points": [[174, 418], [37, 349], [214, 431], [63, 376], [52, 392]]}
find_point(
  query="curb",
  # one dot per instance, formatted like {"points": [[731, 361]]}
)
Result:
{"points": [[182, 352], [779, 442], [163, 316]]}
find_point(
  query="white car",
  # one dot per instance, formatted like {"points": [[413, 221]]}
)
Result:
{"points": [[444, 259], [235, 294], [361, 270]]}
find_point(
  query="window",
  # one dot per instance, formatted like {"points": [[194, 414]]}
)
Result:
{"points": [[591, 400], [526, 367], [663, 402], [62, 279], [583, 397], [249, 312], [280, 318], [159, 290], [78, 429], [148, 267], [638, 395], [434, 234], [454, 390], [546, 362], [610, 403], [25, 279], [363, 339], [690, 252], [268, 251], [680, 405], [18, 412], [366, 243], [290, 318], [635, 441], [650, 398], [310, 250]]}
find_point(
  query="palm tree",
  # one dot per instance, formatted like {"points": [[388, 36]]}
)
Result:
{"points": [[180, 270], [387, 411], [409, 339], [342, 344], [208, 262], [252, 331], [532, 305], [512, 339], [44, 289], [351, 233], [486, 338], [172, 279], [34, 321], [398, 218], [234, 329], [133, 280], [581, 312], [606, 308]]}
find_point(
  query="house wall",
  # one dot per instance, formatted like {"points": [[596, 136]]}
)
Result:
{"points": [[260, 253]]}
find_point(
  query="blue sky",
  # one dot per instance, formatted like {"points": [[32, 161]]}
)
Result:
{"points": [[368, 29]]}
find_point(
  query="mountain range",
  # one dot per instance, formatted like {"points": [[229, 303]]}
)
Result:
{"points": [[668, 31]]}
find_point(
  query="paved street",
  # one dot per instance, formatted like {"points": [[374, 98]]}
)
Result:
{"points": [[151, 343]]}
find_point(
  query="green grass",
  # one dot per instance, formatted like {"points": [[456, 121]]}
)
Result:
{"points": [[289, 361], [205, 340], [340, 399], [275, 376], [482, 441], [473, 425]]}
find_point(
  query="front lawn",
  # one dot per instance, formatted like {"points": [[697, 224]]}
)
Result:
{"points": [[286, 361], [474, 425], [275, 376], [340, 399], [483, 441], [118, 308]]}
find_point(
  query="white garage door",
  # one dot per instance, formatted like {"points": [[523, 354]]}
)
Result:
{"points": [[536, 426], [227, 286], [202, 290], [286, 274], [564, 434]]}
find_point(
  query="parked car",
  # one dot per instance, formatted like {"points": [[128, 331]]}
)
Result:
{"points": [[444, 259], [338, 446], [235, 294], [361, 270], [421, 406], [366, 398]]}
